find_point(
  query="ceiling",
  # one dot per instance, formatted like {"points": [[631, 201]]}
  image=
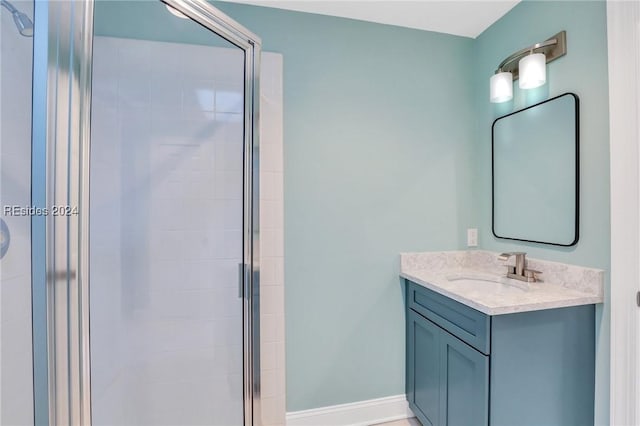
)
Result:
{"points": [[468, 18]]}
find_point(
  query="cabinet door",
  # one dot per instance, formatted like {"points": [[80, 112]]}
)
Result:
{"points": [[423, 368], [464, 384]]}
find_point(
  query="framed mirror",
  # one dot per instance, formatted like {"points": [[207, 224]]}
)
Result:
{"points": [[535, 173]]}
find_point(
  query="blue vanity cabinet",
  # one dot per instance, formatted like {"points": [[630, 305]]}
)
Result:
{"points": [[466, 368]]}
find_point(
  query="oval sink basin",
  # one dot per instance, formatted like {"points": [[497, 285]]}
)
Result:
{"points": [[487, 282], [468, 285]]}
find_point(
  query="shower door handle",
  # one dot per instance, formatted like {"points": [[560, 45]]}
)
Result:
{"points": [[240, 279], [61, 275]]}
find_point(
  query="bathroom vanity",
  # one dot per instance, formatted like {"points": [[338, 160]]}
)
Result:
{"points": [[485, 350]]}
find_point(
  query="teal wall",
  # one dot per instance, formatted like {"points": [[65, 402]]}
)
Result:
{"points": [[377, 122], [582, 71]]}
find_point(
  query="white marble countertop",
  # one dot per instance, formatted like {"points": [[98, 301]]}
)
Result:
{"points": [[461, 276]]}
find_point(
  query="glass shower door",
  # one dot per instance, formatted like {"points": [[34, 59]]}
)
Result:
{"points": [[167, 223], [146, 290]]}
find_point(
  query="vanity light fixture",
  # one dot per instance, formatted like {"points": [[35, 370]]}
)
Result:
{"points": [[528, 65]]}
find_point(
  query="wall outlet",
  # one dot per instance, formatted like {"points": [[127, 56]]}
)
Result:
{"points": [[472, 237]]}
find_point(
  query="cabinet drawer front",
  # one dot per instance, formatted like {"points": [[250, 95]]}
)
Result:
{"points": [[466, 323]]}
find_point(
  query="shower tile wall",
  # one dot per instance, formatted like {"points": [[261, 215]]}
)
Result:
{"points": [[16, 389], [272, 242], [154, 361]]}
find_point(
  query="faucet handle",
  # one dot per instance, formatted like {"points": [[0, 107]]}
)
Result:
{"points": [[531, 274], [519, 255]]}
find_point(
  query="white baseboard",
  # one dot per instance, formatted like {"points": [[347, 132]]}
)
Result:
{"points": [[362, 413]]}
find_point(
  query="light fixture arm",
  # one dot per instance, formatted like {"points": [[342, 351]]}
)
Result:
{"points": [[553, 48]]}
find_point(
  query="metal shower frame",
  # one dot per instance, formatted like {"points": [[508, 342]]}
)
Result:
{"points": [[63, 40]]}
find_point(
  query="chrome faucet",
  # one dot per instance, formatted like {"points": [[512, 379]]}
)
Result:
{"points": [[519, 271]]}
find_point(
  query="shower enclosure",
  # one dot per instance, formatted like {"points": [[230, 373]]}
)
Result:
{"points": [[145, 274]]}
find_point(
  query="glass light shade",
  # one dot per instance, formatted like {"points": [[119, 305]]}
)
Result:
{"points": [[533, 71], [501, 87]]}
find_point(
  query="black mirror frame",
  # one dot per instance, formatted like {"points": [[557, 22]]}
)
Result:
{"points": [[577, 186]]}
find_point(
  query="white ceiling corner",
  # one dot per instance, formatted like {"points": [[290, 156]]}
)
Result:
{"points": [[467, 18]]}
